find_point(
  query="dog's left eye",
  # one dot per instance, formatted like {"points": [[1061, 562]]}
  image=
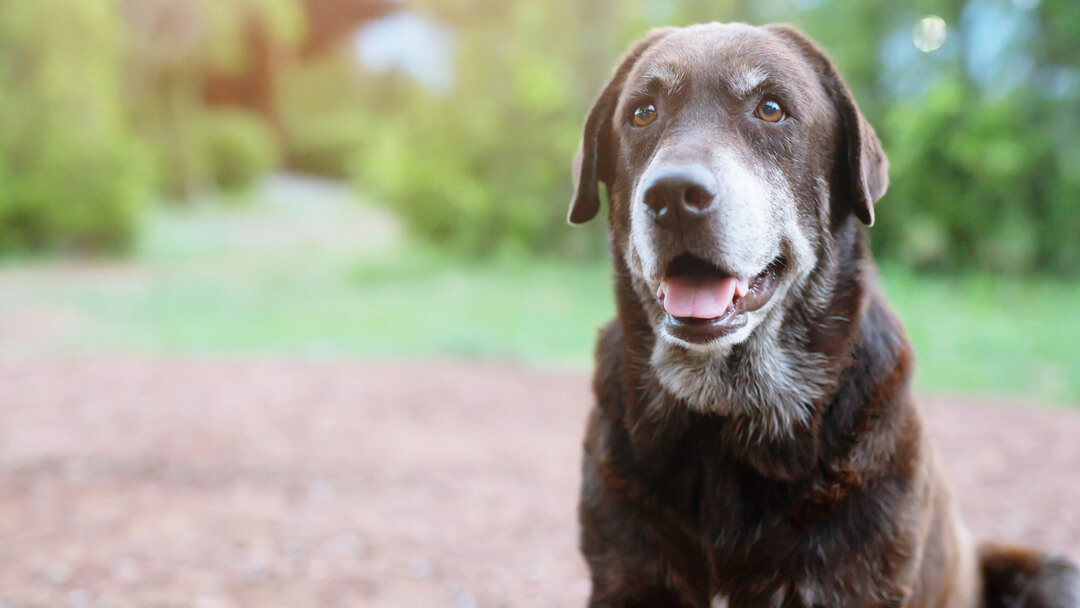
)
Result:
{"points": [[770, 111], [644, 115]]}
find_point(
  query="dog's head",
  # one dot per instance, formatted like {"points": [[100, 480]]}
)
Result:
{"points": [[729, 152]]}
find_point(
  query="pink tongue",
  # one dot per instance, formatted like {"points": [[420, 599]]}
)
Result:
{"points": [[699, 298]]}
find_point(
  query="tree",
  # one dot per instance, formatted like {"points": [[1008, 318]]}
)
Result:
{"points": [[71, 176]]}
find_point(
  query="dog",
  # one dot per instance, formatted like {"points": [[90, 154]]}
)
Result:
{"points": [[755, 442]]}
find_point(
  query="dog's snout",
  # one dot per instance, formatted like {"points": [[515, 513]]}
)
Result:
{"points": [[682, 195]]}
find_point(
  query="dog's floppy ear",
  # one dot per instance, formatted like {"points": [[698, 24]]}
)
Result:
{"points": [[594, 162], [869, 168]]}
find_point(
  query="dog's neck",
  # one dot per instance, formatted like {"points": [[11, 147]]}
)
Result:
{"points": [[774, 391]]}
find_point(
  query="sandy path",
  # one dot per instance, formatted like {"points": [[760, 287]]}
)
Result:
{"points": [[174, 482]]}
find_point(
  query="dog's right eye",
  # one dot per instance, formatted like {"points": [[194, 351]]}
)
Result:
{"points": [[644, 115], [770, 111]]}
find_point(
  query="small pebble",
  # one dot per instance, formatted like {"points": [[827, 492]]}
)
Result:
{"points": [[421, 569], [465, 600], [78, 598], [57, 573]]}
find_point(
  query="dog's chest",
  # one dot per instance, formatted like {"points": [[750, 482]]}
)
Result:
{"points": [[760, 551]]}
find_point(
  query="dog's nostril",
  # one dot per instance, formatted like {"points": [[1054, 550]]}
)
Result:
{"points": [[655, 201], [697, 198]]}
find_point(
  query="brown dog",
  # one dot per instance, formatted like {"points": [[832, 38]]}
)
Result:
{"points": [[755, 442]]}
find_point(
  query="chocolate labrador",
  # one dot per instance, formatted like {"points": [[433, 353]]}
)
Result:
{"points": [[755, 441]]}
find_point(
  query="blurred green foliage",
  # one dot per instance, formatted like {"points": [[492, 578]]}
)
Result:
{"points": [[326, 111], [175, 46], [485, 168], [237, 148], [986, 158], [983, 133], [99, 102], [72, 175]]}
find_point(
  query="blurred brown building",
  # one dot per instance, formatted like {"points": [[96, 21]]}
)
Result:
{"points": [[329, 23]]}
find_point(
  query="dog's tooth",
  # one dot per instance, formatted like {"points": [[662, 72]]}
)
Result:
{"points": [[742, 286], [662, 290]]}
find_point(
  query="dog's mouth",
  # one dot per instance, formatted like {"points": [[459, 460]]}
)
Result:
{"points": [[704, 303]]}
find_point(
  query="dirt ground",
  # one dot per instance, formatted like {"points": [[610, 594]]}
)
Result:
{"points": [[172, 482]]}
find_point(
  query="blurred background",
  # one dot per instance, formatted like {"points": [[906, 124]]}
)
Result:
{"points": [[289, 311]]}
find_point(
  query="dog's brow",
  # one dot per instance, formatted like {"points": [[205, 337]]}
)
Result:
{"points": [[743, 82], [664, 77]]}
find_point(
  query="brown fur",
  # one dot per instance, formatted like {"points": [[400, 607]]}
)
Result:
{"points": [[842, 508]]}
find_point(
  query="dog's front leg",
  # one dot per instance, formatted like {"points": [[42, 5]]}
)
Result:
{"points": [[631, 562], [655, 597], [626, 563]]}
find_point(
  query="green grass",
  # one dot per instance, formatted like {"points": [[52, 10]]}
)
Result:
{"points": [[290, 280], [533, 311], [992, 335]]}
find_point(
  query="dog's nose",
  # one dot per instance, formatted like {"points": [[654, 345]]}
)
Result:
{"points": [[682, 195]]}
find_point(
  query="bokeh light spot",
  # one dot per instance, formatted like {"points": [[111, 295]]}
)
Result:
{"points": [[929, 33]]}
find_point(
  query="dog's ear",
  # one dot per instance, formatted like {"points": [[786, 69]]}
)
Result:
{"points": [[594, 161], [868, 166]]}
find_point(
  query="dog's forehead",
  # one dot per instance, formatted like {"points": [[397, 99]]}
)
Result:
{"points": [[735, 55]]}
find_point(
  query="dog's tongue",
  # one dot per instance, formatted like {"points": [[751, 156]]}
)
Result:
{"points": [[699, 297]]}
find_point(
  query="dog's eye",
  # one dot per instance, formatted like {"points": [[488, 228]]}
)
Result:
{"points": [[644, 115], [770, 111]]}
